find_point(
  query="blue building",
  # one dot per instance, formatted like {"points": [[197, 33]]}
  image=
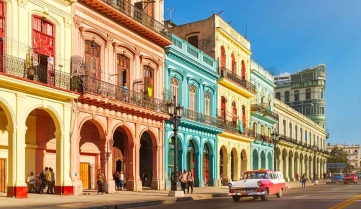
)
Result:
{"points": [[262, 118], [191, 76]]}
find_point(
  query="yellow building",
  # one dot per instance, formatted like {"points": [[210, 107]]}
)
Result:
{"points": [[219, 40], [35, 100]]}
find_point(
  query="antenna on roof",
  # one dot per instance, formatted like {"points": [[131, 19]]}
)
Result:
{"points": [[219, 12], [230, 22], [170, 12], [245, 36]]}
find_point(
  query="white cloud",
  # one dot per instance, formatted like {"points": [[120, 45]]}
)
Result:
{"points": [[284, 74]]}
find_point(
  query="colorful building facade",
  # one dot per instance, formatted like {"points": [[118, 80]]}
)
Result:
{"points": [[220, 41], [191, 76], [118, 69], [263, 118], [35, 96]]}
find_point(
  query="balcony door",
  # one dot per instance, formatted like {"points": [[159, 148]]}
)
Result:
{"points": [[2, 33], [243, 70], [92, 63], [148, 81], [234, 112], [223, 107]]}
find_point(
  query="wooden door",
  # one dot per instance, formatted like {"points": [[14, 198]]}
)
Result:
{"points": [[2, 174], [85, 175]]}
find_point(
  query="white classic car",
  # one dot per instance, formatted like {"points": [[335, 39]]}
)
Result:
{"points": [[258, 183]]}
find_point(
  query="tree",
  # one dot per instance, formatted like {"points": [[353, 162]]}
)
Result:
{"points": [[337, 155]]}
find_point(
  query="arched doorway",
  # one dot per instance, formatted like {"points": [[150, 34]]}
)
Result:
{"points": [[191, 162], [223, 162], [41, 140], [91, 152], [208, 164], [255, 159], [270, 161], [146, 160], [171, 156], [5, 149], [263, 160], [243, 161]]}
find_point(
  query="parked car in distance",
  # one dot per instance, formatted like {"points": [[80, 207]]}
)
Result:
{"points": [[258, 183], [350, 178], [337, 177], [358, 174]]}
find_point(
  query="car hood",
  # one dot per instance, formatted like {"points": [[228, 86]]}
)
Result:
{"points": [[246, 183]]}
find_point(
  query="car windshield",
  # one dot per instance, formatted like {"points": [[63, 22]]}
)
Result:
{"points": [[338, 175], [255, 175]]}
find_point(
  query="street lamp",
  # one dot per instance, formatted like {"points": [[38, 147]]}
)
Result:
{"points": [[175, 112], [315, 149], [274, 136]]}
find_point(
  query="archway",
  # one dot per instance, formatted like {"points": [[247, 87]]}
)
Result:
{"points": [[122, 153], [5, 147], [146, 160], [255, 159], [92, 153], [207, 163], [41, 145], [263, 159], [223, 162], [269, 161], [243, 162], [171, 156]]}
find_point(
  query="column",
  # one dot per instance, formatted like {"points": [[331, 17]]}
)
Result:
{"points": [[137, 179], [75, 155], [155, 178], [237, 168], [198, 179], [292, 168], [110, 184], [130, 181], [286, 168], [212, 167]]}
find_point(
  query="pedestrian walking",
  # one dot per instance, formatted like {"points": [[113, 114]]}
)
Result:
{"points": [[190, 181], [183, 180], [31, 182], [121, 180], [42, 178], [100, 180], [303, 180], [49, 181]]}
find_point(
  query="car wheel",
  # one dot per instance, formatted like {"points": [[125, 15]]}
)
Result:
{"points": [[279, 194], [265, 196], [235, 198]]}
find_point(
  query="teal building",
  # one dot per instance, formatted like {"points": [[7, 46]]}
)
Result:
{"points": [[262, 118], [191, 76]]}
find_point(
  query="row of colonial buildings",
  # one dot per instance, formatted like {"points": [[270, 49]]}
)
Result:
{"points": [[84, 85]]}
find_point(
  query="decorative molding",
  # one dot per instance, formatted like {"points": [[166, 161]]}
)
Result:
{"points": [[51, 9], [77, 22], [67, 22], [22, 3]]}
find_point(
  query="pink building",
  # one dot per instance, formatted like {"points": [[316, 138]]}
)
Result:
{"points": [[117, 67]]}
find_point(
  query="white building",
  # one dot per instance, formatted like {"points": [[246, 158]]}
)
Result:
{"points": [[353, 152]]}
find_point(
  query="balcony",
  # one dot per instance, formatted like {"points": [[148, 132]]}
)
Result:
{"points": [[229, 122], [199, 117], [255, 108], [263, 138], [90, 86], [133, 18], [20, 68], [225, 73]]}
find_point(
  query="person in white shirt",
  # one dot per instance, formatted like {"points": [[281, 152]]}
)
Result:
{"points": [[31, 182], [121, 180]]}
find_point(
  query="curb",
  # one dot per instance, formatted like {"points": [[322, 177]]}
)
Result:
{"points": [[157, 202]]}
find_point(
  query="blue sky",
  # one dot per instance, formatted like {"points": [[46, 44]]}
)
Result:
{"points": [[289, 35]]}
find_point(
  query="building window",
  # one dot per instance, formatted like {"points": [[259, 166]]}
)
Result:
{"points": [[301, 134], [223, 57], [278, 95], [243, 70], [244, 116], [269, 99], [193, 40], [322, 111], [308, 111], [262, 130], [308, 93], [284, 127], [321, 94], [269, 133], [207, 103], [297, 96], [234, 112], [306, 136], [123, 70], [296, 136], [192, 98], [175, 88], [234, 64], [287, 96], [290, 129], [92, 59], [2, 28], [223, 107], [262, 96], [255, 129], [148, 81]]}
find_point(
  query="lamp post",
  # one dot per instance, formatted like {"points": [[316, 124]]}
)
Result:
{"points": [[274, 140], [315, 149], [175, 112]]}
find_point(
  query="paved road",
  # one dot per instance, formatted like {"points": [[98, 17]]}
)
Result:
{"points": [[330, 196]]}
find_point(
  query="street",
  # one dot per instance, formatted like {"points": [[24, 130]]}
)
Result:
{"points": [[329, 196]]}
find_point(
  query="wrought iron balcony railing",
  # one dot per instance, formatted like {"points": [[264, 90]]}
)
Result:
{"points": [[229, 121], [200, 117], [264, 111], [138, 15], [14, 66], [86, 84], [225, 73], [263, 138], [303, 144]]}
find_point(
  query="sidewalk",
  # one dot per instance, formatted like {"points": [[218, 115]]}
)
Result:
{"points": [[121, 199]]}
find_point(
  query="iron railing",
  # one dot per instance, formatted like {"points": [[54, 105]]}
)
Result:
{"points": [[225, 73], [264, 111], [199, 117], [263, 138], [86, 84], [139, 16], [300, 143], [18, 67], [229, 121]]}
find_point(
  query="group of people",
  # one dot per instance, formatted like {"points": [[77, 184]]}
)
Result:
{"points": [[46, 178], [187, 180], [119, 180]]}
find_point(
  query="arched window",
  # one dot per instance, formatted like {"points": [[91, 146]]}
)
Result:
{"points": [[308, 93], [234, 64], [223, 57], [92, 59], [297, 96], [234, 112], [175, 88], [207, 104], [244, 116], [262, 130], [223, 107], [192, 98], [123, 70], [148, 80], [243, 72]]}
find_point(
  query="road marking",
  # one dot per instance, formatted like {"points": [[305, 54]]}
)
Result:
{"points": [[301, 196], [346, 203]]}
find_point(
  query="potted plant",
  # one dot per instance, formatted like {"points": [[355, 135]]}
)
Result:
{"points": [[150, 90]]}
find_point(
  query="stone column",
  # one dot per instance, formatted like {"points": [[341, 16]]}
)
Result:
{"points": [[212, 171], [198, 179], [286, 168], [292, 168], [227, 162], [130, 168], [155, 184], [110, 184], [137, 179]]}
